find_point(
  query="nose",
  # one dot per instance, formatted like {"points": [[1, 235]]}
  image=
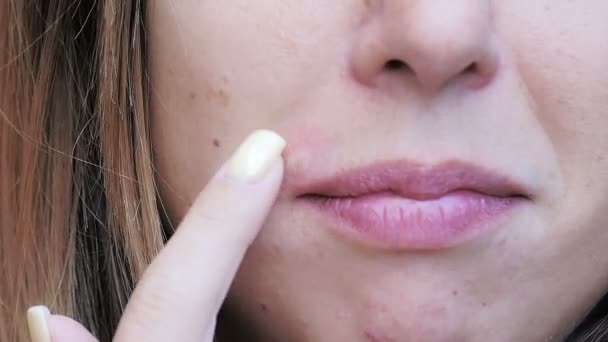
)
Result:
{"points": [[432, 42]]}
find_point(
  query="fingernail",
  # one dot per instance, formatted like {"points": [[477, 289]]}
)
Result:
{"points": [[37, 320], [256, 154]]}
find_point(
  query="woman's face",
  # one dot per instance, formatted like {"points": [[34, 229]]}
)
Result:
{"points": [[447, 169]]}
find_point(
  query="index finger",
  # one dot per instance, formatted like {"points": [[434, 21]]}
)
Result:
{"points": [[182, 290]]}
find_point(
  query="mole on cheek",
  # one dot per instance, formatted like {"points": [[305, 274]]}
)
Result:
{"points": [[216, 142], [218, 96], [223, 97]]}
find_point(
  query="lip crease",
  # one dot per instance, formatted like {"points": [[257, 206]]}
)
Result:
{"points": [[402, 205]]}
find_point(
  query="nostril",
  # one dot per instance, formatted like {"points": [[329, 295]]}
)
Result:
{"points": [[472, 68], [395, 64]]}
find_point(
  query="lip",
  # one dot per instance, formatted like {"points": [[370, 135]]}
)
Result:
{"points": [[403, 205]]}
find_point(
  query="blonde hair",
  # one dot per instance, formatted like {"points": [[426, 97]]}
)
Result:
{"points": [[78, 207]]}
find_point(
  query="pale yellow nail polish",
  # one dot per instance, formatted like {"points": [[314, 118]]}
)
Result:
{"points": [[37, 321], [256, 154]]}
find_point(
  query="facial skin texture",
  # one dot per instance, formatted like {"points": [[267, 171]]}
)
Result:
{"points": [[535, 107]]}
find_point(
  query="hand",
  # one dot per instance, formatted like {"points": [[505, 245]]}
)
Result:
{"points": [[182, 290]]}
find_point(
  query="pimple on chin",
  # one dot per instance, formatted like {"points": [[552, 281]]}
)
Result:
{"points": [[381, 324], [373, 335]]}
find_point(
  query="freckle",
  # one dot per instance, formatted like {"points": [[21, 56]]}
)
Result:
{"points": [[484, 304], [455, 293], [223, 97], [216, 143], [263, 307], [275, 251], [192, 95]]}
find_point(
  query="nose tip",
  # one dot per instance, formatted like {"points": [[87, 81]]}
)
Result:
{"points": [[433, 42]]}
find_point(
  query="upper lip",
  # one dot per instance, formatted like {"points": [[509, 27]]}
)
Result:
{"points": [[412, 180]]}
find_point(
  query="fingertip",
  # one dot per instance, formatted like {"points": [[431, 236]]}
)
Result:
{"points": [[65, 329], [255, 157], [37, 321]]}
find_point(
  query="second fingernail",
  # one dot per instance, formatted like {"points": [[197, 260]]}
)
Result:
{"points": [[37, 321], [255, 155]]}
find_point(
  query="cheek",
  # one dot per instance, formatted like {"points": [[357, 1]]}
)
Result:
{"points": [[564, 68], [565, 74], [563, 65]]}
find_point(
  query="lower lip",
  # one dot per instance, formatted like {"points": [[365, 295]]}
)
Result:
{"points": [[390, 221]]}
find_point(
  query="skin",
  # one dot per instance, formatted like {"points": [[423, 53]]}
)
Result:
{"points": [[535, 108]]}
